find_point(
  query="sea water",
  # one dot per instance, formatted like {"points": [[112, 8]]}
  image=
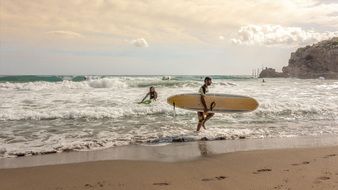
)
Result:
{"points": [[43, 114]]}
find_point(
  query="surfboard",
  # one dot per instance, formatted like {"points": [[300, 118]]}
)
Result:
{"points": [[221, 103]]}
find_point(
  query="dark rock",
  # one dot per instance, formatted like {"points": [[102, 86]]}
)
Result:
{"points": [[318, 60], [220, 138], [20, 154], [178, 140], [49, 152], [67, 150], [35, 153], [270, 73]]}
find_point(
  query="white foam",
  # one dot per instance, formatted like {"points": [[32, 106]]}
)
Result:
{"points": [[107, 83], [66, 84], [101, 113]]}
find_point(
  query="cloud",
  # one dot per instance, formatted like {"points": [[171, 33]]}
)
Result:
{"points": [[326, 1], [278, 35], [65, 34], [221, 37], [176, 21], [140, 42], [333, 14]]}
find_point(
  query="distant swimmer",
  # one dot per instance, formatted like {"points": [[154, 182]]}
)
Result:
{"points": [[152, 96], [166, 78], [204, 116]]}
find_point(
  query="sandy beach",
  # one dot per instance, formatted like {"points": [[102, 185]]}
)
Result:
{"points": [[169, 95], [297, 168]]}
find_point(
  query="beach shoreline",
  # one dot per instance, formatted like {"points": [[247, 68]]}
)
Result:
{"points": [[292, 168], [173, 152]]}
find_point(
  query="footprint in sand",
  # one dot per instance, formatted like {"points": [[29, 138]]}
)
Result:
{"points": [[330, 155], [215, 178], [161, 184], [88, 185], [262, 170], [303, 163], [322, 178], [282, 186], [279, 187], [220, 177], [98, 184]]}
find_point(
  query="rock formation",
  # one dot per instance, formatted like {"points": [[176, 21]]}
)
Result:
{"points": [[318, 60], [270, 73]]}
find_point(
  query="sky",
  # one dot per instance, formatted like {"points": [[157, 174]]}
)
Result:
{"points": [[158, 37]]}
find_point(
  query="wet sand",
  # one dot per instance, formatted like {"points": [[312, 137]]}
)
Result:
{"points": [[296, 168], [175, 152]]}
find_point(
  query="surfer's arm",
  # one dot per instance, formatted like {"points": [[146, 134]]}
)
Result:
{"points": [[145, 97], [204, 104], [202, 93]]}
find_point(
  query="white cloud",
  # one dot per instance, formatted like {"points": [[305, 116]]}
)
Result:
{"points": [[140, 42], [65, 34], [221, 37], [176, 21], [278, 35]]}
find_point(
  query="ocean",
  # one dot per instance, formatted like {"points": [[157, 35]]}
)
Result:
{"points": [[47, 114]]}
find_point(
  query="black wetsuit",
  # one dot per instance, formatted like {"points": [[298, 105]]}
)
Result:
{"points": [[153, 95]]}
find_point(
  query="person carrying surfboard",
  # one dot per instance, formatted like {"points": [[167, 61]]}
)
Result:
{"points": [[152, 95], [204, 116]]}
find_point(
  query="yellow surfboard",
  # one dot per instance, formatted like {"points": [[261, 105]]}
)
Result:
{"points": [[222, 103]]}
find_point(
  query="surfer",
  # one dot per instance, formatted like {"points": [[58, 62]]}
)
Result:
{"points": [[152, 95], [204, 116]]}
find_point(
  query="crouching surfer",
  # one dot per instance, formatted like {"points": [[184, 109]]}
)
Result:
{"points": [[152, 96]]}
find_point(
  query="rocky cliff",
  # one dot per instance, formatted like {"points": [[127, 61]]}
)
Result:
{"points": [[318, 60], [270, 73]]}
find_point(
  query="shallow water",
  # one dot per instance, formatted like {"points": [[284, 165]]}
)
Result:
{"points": [[96, 112]]}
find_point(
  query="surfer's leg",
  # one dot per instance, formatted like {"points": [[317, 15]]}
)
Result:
{"points": [[200, 120], [207, 118]]}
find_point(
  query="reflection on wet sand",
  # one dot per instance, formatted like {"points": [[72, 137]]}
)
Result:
{"points": [[203, 148]]}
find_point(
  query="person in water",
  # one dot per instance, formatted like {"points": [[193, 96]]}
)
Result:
{"points": [[152, 95], [204, 116]]}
